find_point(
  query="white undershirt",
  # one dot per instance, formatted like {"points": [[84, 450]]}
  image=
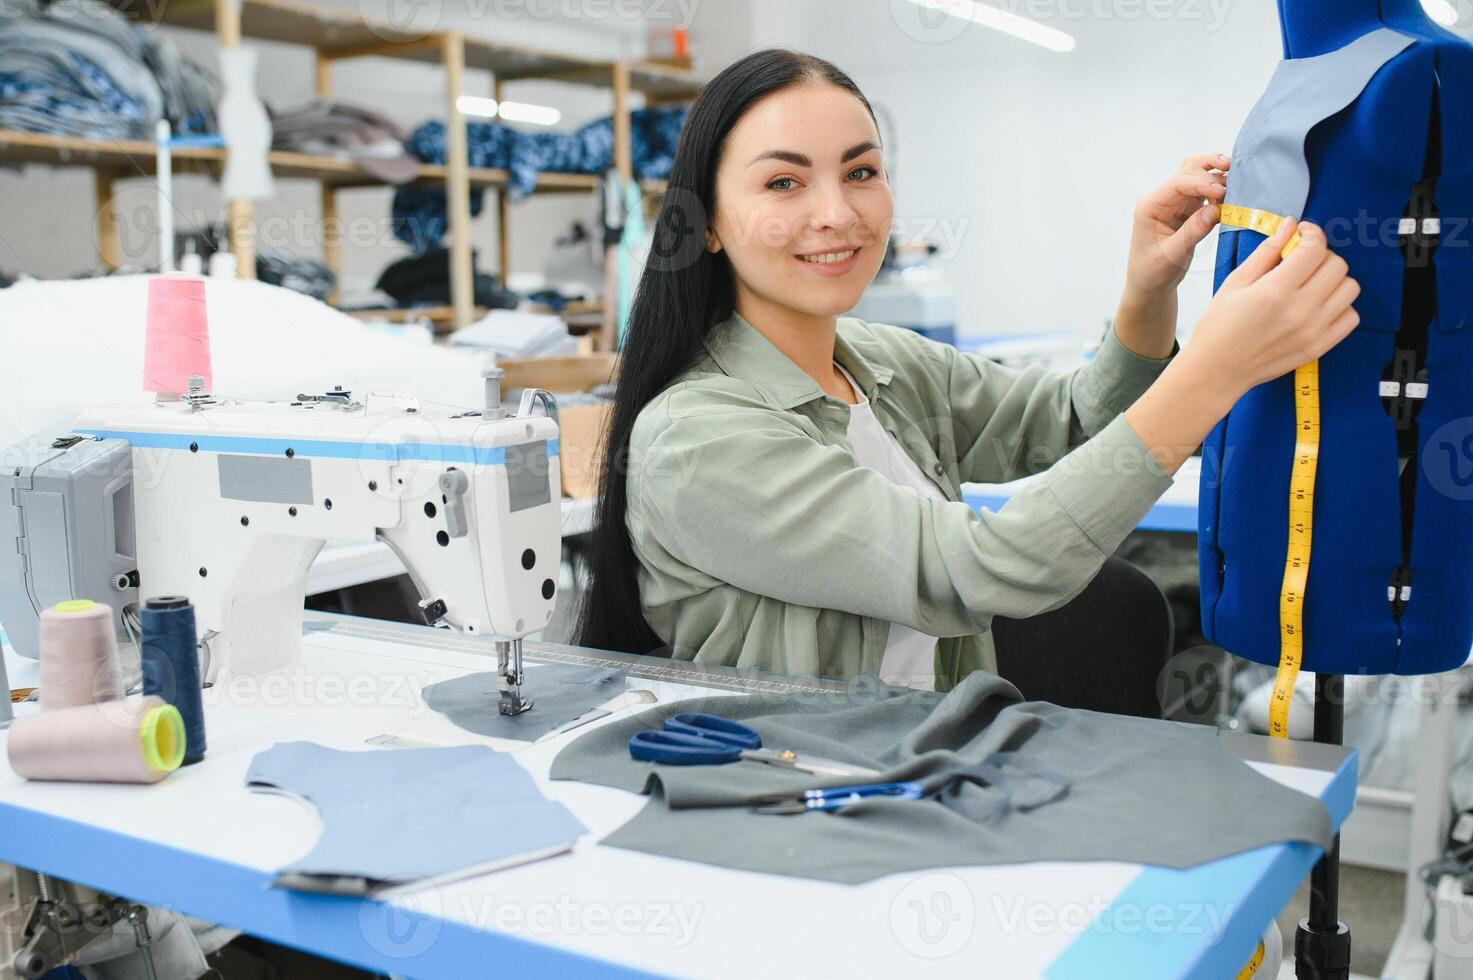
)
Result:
{"points": [[910, 655]]}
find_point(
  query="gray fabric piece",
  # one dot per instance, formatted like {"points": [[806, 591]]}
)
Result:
{"points": [[560, 692], [337, 129], [1140, 791], [1269, 169], [190, 91], [176, 951], [405, 815], [1017, 785]]}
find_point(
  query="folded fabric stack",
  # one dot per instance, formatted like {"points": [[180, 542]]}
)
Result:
{"points": [[82, 69], [419, 213], [336, 129], [512, 333]]}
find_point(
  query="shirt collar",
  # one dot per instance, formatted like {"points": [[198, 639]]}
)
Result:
{"points": [[742, 351]]}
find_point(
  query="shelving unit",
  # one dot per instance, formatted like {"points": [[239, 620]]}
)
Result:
{"points": [[136, 157], [580, 321], [440, 317], [336, 35]]}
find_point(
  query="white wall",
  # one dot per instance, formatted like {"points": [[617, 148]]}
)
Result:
{"points": [[46, 221], [1023, 163]]}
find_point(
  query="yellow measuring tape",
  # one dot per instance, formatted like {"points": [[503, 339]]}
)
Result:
{"points": [[1263, 222], [1301, 496], [1253, 964]]}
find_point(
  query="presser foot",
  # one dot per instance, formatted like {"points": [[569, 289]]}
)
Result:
{"points": [[512, 702], [509, 678]]}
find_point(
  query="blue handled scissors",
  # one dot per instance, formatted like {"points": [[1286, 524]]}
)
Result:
{"points": [[692, 738], [838, 797]]}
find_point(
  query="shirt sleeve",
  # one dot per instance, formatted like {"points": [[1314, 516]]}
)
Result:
{"points": [[1012, 422], [745, 496]]}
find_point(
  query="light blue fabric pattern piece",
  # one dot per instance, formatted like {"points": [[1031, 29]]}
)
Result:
{"points": [[1270, 171], [398, 816]]}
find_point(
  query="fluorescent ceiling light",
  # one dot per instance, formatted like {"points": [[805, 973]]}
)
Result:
{"points": [[475, 105], [1441, 11], [1008, 23], [542, 115]]}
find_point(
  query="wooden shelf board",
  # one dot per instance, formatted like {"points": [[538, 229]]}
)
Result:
{"points": [[552, 182], [582, 321], [665, 81], [136, 158], [123, 156], [548, 182], [327, 29], [441, 317], [512, 62]]}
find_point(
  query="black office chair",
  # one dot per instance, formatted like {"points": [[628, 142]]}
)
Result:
{"points": [[1103, 650]]}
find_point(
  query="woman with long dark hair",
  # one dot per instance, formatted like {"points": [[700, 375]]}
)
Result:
{"points": [[782, 484]]}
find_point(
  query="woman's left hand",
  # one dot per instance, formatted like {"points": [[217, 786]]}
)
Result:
{"points": [[1170, 222]]}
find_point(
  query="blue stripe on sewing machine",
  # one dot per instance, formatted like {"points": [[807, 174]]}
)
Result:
{"points": [[393, 452]]}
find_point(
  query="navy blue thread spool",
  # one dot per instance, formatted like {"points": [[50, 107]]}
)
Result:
{"points": [[170, 654]]}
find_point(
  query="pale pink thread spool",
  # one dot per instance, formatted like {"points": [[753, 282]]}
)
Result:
{"points": [[79, 655], [138, 740], [176, 341]]}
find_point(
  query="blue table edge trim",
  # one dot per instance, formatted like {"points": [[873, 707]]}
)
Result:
{"points": [[409, 943], [391, 452], [1112, 947]]}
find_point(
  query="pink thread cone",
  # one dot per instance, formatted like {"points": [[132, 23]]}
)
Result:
{"points": [[79, 655], [177, 340], [132, 740]]}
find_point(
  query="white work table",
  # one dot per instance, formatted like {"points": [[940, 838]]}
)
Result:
{"points": [[201, 843]]}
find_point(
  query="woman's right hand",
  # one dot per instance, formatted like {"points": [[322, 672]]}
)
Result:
{"points": [[1272, 314], [1268, 317]]}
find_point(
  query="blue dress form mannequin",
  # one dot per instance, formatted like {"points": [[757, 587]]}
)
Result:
{"points": [[1390, 586]]}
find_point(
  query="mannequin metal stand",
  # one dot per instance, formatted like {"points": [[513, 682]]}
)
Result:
{"points": [[1322, 941]]}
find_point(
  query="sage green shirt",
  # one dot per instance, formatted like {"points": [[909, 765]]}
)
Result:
{"points": [[763, 544]]}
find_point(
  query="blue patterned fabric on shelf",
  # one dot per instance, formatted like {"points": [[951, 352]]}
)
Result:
{"points": [[82, 69], [419, 214]]}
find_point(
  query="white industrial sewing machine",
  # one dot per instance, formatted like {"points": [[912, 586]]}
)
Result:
{"points": [[231, 502]]}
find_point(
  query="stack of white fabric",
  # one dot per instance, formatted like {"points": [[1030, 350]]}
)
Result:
{"points": [[517, 334], [71, 344]]}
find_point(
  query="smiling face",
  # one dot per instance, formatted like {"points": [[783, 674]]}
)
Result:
{"points": [[803, 205]]}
